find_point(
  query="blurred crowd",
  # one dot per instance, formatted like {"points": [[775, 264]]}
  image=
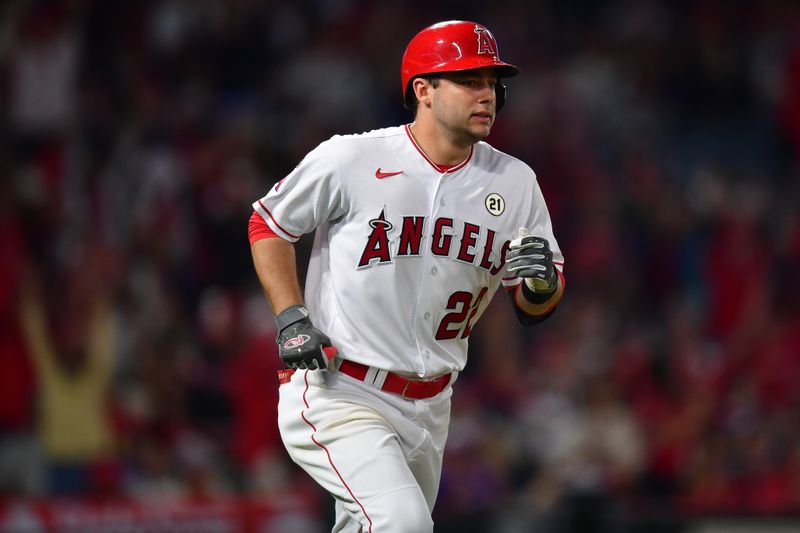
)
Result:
{"points": [[137, 353]]}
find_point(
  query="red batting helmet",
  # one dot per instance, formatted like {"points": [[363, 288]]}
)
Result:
{"points": [[449, 47]]}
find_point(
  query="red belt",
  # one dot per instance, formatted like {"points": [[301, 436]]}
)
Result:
{"points": [[417, 389]]}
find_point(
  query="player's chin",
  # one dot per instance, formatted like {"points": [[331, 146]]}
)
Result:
{"points": [[480, 132], [481, 125]]}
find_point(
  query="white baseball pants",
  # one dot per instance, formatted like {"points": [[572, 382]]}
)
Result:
{"points": [[378, 454]]}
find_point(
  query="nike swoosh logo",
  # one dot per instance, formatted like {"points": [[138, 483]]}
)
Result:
{"points": [[380, 175]]}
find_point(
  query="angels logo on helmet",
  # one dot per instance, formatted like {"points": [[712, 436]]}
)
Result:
{"points": [[484, 41]]}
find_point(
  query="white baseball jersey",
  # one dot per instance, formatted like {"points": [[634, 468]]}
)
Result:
{"points": [[406, 257]]}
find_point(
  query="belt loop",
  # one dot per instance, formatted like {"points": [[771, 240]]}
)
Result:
{"points": [[380, 378], [375, 377], [369, 377]]}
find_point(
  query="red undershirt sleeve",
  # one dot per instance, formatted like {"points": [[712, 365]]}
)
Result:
{"points": [[258, 229]]}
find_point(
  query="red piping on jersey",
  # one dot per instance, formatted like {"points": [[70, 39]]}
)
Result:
{"points": [[313, 438], [276, 222], [439, 168]]}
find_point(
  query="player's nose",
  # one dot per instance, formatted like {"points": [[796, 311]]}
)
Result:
{"points": [[487, 91]]}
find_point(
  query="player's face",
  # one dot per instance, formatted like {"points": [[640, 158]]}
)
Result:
{"points": [[464, 103]]}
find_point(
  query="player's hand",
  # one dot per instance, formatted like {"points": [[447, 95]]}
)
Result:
{"points": [[300, 344], [530, 258]]}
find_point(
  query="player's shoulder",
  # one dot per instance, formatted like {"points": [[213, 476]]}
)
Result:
{"points": [[358, 140], [347, 148], [355, 145], [491, 159]]}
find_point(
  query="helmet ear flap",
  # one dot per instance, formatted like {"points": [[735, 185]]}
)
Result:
{"points": [[500, 96], [410, 100]]}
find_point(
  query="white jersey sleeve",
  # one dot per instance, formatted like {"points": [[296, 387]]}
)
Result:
{"points": [[309, 196]]}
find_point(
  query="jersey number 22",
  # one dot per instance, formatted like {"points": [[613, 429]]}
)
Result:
{"points": [[463, 308]]}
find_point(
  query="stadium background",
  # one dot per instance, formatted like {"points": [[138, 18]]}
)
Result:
{"points": [[136, 351]]}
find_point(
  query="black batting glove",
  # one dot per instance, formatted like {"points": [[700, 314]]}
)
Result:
{"points": [[531, 259], [300, 344]]}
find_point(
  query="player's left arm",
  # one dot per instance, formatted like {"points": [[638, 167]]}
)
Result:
{"points": [[535, 262], [536, 298]]}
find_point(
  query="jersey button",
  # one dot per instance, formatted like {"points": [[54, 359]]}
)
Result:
{"points": [[434, 270], [427, 316]]}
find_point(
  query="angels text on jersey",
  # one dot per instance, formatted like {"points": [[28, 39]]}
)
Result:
{"points": [[446, 237]]}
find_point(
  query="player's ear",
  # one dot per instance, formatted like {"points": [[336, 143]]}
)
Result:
{"points": [[423, 90]]}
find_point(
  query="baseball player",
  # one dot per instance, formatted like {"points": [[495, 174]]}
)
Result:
{"points": [[417, 226]]}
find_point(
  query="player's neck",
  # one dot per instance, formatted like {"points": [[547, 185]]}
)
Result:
{"points": [[439, 149]]}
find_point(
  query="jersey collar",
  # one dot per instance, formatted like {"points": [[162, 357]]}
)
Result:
{"points": [[439, 168]]}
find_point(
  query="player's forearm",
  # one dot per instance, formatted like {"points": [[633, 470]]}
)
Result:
{"points": [[531, 308], [275, 264], [536, 304]]}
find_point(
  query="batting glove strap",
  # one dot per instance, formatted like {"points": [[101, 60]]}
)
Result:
{"points": [[290, 315], [536, 297]]}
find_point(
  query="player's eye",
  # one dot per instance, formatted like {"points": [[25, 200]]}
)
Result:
{"points": [[478, 84]]}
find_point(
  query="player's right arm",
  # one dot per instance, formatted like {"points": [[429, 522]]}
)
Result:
{"points": [[300, 344], [309, 196]]}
